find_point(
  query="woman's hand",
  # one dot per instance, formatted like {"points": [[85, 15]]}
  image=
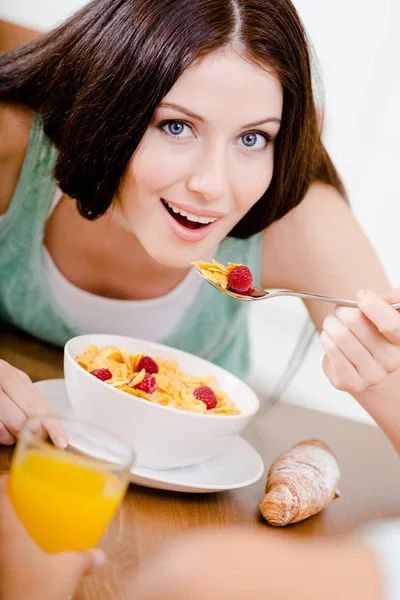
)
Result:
{"points": [[18, 400], [362, 345], [28, 572]]}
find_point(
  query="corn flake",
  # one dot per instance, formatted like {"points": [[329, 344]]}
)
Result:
{"points": [[215, 272], [174, 388]]}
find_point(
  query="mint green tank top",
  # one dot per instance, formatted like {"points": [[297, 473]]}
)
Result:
{"points": [[215, 327]]}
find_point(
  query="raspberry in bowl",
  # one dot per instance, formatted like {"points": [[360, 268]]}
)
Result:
{"points": [[163, 436]]}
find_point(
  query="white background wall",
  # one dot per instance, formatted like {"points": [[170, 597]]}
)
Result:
{"points": [[358, 51]]}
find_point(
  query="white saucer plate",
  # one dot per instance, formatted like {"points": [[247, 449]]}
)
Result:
{"points": [[236, 467]]}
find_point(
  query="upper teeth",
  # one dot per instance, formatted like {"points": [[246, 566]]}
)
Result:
{"points": [[190, 216]]}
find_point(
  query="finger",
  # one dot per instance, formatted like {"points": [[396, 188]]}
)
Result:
{"points": [[18, 386], [367, 367], [72, 566], [393, 297], [83, 563], [21, 391], [11, 416], [55, 431], [341, 373], [385, 318], [53, 426], [385, 353], [6, 438], [48, 425], [24, 376]]}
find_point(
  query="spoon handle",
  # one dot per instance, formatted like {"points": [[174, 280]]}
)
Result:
{"points": [[306, 295]]}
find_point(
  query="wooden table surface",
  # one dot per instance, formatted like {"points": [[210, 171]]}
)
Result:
{"points": [[370, 481]]}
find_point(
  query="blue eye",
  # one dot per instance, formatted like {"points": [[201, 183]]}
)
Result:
{"points": [[178, 129], [175, 128], [254, 140]]}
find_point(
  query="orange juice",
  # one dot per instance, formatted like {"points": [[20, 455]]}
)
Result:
{"points": [[63, 503]]}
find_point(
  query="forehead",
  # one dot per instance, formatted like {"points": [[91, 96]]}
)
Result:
{"points": [[224, 82]]}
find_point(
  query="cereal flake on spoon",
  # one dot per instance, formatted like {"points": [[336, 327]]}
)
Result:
{"points": [[235, 277]]}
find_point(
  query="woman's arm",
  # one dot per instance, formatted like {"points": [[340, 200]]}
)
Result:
{"points": [[238, 565], [12, 35], [319, 247]]}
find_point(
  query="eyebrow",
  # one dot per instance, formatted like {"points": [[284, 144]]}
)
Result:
{"points": [[193, 115]]}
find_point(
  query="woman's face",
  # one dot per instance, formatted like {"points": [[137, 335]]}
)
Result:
{"points": [[205, 160]]}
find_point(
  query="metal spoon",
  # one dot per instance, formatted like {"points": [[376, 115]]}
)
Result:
{"points": [[260, 294]]}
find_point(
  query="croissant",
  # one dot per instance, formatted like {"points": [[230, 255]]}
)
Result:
{"points": [[301, 482]]}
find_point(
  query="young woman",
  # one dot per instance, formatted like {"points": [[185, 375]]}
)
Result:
{"points": [[142, 135]]}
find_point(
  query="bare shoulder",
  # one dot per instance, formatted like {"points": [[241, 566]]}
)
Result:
{"points": [[302, 234], [319, 205], [15, 126], [320, 247]]}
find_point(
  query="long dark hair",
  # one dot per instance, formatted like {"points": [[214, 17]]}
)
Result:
{"points": [[97, 79]]}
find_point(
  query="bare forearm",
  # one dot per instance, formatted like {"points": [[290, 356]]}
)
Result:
{"points": [[258, 566], [12, 35]]}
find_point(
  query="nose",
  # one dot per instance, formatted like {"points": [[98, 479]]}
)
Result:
{"points": [[209, 176]]}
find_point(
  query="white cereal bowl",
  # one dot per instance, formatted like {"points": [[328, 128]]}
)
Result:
{"points": [[162, 437]]}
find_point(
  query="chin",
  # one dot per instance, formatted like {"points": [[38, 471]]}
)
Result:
{"points": [[178, 255], [174, 258]]}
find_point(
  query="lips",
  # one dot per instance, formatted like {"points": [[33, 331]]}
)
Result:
{"points": [[181, 219], [183, 228]]}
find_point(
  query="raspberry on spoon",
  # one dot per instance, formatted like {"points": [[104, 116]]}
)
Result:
{"points": [[240, 279]]}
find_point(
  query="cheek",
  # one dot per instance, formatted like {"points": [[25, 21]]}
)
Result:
{"points": [[153, 168], [252, 184], [148, 174]]}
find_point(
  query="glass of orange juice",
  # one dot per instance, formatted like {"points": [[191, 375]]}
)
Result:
{"points": [[66, 498]]}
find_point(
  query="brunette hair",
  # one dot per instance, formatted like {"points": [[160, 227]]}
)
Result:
{"points": [[97, 79]]}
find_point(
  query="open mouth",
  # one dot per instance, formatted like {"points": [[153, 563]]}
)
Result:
{"points": [[188, 220]]}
